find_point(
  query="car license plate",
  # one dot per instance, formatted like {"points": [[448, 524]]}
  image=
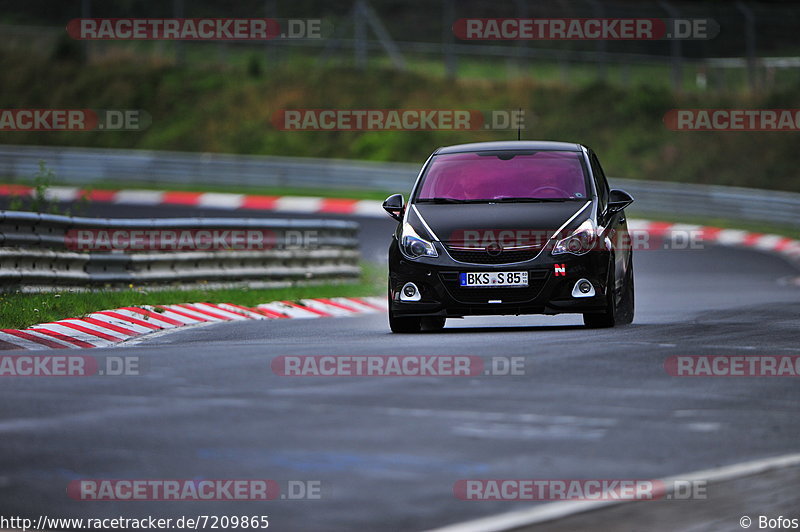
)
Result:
{"points": [[493, 279]]}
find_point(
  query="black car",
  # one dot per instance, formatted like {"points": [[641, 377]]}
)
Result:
{"points": [[510, 228]]}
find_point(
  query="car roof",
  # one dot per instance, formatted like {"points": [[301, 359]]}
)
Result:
{"points": [[511, 145]]}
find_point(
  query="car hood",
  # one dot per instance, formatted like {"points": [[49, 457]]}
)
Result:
{"points": [[480, 223]]}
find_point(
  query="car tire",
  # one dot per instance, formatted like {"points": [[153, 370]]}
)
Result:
{"points": [[433, 324], [404, 325], [408, 325], [607, 318], [627, 306]]}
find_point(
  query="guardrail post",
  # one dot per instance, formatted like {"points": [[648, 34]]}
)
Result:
{"points": [[177, 12], [86, 12], [521, 46], [750, 43], [448, 18], [602, 45], [676, 57], [360, 36], [270, 46]]}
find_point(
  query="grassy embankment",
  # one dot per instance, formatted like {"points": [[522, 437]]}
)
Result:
{"points": [[208, 107], [19, 310]]}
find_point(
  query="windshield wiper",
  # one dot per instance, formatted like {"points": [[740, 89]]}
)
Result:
{"points": [[495, 200], [532, 200], [444, 200]]}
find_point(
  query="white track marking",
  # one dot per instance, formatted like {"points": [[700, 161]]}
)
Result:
{"points": [[559, 510], [221, 200], [298, 204], [139, 197]]}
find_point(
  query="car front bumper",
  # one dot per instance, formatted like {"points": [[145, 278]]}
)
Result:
{"points": [[549, 291]]}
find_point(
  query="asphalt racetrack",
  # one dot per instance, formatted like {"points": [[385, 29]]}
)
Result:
{"points": [[387, 451]]}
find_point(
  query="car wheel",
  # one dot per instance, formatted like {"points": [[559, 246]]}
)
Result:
{"points": [[433, 324], [608, 318], [627, 305], [404, 325]]}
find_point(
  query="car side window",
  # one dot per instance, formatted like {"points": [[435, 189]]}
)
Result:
{"points": [[600, 180]]}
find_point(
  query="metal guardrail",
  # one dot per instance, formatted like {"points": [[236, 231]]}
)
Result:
{"points": [[84, 166], [34, 252], [731, 203]]}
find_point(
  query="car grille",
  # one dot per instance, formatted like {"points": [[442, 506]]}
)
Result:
{"points": [[479, 256], [536, 281]]}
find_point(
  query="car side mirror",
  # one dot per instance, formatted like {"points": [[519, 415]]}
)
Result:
{"points": [[394, 206], [618, 200]]}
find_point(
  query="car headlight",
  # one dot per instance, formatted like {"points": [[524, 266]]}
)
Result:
{"points": [[582, 240], [413, 246]]}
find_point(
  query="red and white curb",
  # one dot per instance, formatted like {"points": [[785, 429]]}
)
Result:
{"points": [[210, 200], [785, 246], [109, 327]]}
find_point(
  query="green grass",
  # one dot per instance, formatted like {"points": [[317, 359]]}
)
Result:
{"points": [[19, 310], [226, 108], [469, 68]]}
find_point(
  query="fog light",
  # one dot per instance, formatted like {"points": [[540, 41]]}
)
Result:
{"points": [[583, 288], [410, 292]]}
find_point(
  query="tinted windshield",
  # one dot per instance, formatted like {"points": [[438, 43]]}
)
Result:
{"points": [[507, 175]]}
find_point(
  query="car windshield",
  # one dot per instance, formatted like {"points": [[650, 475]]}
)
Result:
{"points": [[504, 176]]}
